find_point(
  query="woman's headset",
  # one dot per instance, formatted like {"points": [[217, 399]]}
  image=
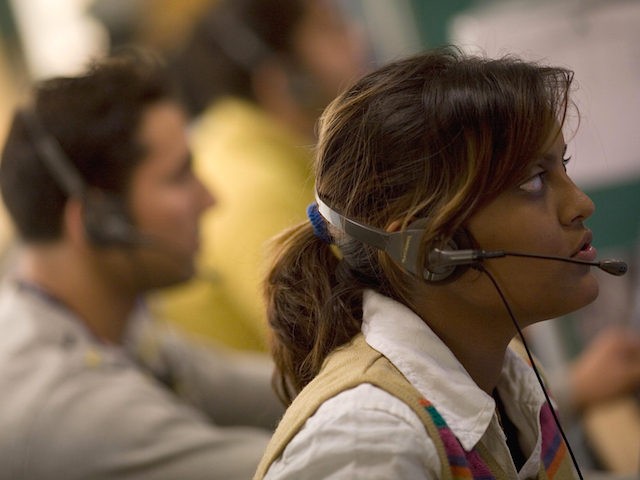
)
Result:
{"points": [[404, 246]]}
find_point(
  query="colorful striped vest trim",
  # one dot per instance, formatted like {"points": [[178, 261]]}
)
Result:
{"points": [[554, 450], [469, 465], [462, 464], [358, 363]]}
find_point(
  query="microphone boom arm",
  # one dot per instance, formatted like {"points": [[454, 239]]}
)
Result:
{"points": [[448, 258]]}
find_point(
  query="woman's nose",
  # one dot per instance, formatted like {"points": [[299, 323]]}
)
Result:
{"points": [[578, 205]]}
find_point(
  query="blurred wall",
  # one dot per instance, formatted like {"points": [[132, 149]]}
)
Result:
{"points": [[599, 41]]}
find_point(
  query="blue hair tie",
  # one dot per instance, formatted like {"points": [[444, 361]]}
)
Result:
{"points": [[318, 223]]}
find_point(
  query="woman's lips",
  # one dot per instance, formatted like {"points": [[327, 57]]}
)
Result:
{"points": [[588, 253]]}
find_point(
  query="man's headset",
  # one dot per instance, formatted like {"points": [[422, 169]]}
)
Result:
{"points": [[237, 40], [442, 265], [247, 49], [105, 220]]}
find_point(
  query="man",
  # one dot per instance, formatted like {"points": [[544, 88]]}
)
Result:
{"points": [[96, 176]]}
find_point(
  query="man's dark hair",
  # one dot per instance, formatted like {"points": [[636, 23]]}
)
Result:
{"points": [[95, 118]]}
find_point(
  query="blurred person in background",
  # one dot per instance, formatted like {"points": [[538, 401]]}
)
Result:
{"points": [[597, 386], [9, 82], [97, 177], [255, 74]]}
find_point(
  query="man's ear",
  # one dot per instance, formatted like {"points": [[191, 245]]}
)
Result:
{"points": [[73, 222]]}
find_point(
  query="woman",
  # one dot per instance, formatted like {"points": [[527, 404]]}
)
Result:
{"points": [[399, 360], [255, 74]]}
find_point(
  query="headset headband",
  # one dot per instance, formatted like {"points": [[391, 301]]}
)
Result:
{"points": [[403, 246]]}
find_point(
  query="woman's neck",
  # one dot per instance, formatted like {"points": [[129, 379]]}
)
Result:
{"points": [[478, 339]]}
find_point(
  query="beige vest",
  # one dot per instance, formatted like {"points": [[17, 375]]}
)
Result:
{"points": [[358, 363]]}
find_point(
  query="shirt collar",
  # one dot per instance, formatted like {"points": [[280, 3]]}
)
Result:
{"points": [[407, 341], [55, 321]]}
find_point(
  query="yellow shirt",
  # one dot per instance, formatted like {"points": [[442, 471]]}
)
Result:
{"points": [[260, 174]]}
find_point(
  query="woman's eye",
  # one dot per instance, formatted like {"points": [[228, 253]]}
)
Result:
{"points": [[534, 185]]}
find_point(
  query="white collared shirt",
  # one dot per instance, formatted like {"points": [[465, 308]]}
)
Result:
{"points": [[366, 433]]}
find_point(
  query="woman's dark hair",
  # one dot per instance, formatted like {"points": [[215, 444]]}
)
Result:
{"points": [[232, 39], [436, 136], [95, 117]]}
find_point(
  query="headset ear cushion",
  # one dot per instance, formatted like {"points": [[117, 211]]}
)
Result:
{"points": [[105, 221], [461, 240]]}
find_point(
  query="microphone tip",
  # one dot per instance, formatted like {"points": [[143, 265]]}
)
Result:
{"points": [[614, 267]]}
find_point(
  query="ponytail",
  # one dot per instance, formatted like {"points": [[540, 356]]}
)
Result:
{"points": [[314, 305]]}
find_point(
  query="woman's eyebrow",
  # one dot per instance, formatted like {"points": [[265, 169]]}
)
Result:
{"points": [[550, 156]]}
